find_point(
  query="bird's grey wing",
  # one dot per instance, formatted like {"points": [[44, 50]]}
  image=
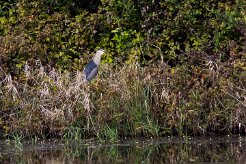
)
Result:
{"points": [[92, 74], [89, 68]]}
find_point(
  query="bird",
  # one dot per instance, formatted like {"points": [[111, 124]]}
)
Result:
{"points": [[91, 69]]}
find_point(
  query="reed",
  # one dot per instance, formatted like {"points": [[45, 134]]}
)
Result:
{"points": [[131, 101]]}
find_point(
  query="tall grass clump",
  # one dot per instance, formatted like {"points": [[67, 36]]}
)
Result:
{"points": [[43, 102], [128, 101], [156, 100]]}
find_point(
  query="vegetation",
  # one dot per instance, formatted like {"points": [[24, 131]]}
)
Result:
{"points": [[172, 68]]}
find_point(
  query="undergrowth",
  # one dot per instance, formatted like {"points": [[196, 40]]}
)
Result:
{"points": [[131, 101]]}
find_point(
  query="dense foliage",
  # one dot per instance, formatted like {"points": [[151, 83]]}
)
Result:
{"points": [[64, 33]]}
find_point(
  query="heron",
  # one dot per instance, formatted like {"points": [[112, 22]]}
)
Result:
{"points": [[91, 68]]}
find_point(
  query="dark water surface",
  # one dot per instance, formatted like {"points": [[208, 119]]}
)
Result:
{"points": [[229, 149]]}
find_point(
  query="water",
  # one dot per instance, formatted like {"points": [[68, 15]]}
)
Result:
{"points": [[164, 150]]}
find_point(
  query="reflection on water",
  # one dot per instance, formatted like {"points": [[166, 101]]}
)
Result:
{"points": [[165, 150]]}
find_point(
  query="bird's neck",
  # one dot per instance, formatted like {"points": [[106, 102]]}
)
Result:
{"points": [[97, 59]]}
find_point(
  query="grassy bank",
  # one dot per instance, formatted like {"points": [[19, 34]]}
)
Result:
{"points": [[207, 97]]}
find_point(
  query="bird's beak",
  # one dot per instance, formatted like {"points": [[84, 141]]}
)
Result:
{"points": [[105, 52]]}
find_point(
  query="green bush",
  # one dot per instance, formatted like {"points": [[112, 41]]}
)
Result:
{"points": [[61, 33]]}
